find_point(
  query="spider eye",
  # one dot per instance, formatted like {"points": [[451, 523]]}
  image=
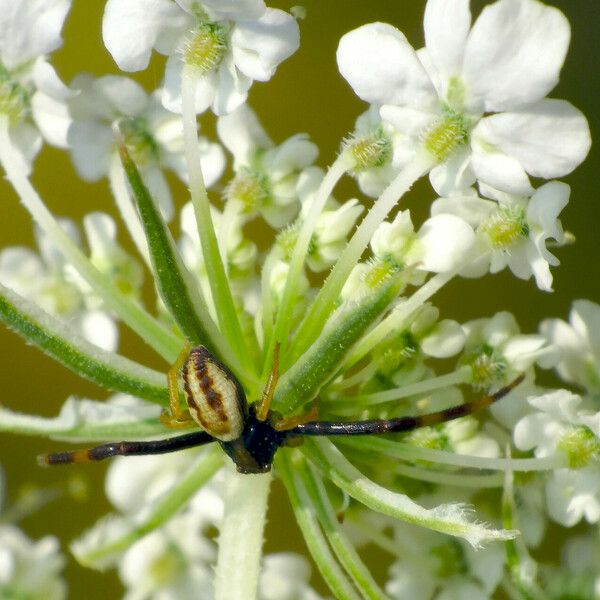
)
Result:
{"points": [[214, 396]]}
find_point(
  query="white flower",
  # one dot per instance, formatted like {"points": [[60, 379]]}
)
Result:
{"points": [[496, 351], [48, 280], [285, 576], [30, 569], [266, 176], [229, 44], [513, 231], [435, 567], [579, 344], [154, 136], [379, 151], [506, 63], [441, 245], [331, 229], [561, 426], [29, 85]]}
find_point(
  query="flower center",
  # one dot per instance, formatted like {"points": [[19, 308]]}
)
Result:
{"points": [[369, 151], [506, 226], [381, 270], [250, 188], [205, 48], [581, 446], [139, 141], [14, 98], [488, 366], [447, 134]]}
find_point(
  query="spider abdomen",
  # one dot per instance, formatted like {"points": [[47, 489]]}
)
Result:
{"points": [[215, 399]]}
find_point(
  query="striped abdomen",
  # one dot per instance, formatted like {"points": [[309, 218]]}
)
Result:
{"points": [[214, 396]]}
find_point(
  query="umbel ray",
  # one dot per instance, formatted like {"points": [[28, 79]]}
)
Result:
{"points": [[249, 434]]}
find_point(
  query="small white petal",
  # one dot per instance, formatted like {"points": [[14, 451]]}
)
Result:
{"points": [[52, 118], [446, 24], [548, 139], [446, 241], [30, 29], [447, 339], [382, 67], [258, 46], [514, 54], [26, 142], [231, 89], [242, 134], [496, 168], [100, 329], [91, 147], [130, 28]]}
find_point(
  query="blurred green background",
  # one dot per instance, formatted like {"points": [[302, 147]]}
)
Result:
{"points": [[306, 95]]}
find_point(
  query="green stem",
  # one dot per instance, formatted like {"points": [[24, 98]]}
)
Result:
{"points": [[326, 562], [340, 544], [284, 321], [325, 301], [410, 452], [156, 335], [241, 536], [398, 318], [57, 339], [461, 375], [166, 508], [446, 518], [118, 187], [221, 292]]}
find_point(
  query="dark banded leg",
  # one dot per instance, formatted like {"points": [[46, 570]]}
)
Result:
{"points": [[180, 442], [401, 424]]}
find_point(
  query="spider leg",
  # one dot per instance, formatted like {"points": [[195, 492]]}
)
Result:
{"points": [[176, 418], [264, 405], [401, 424], [181, 442]]}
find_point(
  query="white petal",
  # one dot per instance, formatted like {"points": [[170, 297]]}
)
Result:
{"points": [[585, 318], [46, 79], [125, 95], [548, 139], [545, 206], [446, 24], [447, 339], [171, 93], [231, 88], [131, 28], [234, 10], [26, 143], [30, 29], [52, 118], [258, 46], [496, 168], [91, 148], [382, 67], [514, 54], [242, 134], [446, 240], [453, 174], [100, 329]]}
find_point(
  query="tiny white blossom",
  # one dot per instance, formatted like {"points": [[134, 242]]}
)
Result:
{"points": [[266, 175], [562, 427], [579, 344], [496, 351], [30, 89], [153, 135], [506, 63], [513, 231], [285, 576], [49, 281], [229, 44]]}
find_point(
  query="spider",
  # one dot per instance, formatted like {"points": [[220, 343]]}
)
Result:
{"points": [[250, 435]]}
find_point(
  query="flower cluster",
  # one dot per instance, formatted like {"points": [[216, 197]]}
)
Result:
{"points": [[335, 317]]}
